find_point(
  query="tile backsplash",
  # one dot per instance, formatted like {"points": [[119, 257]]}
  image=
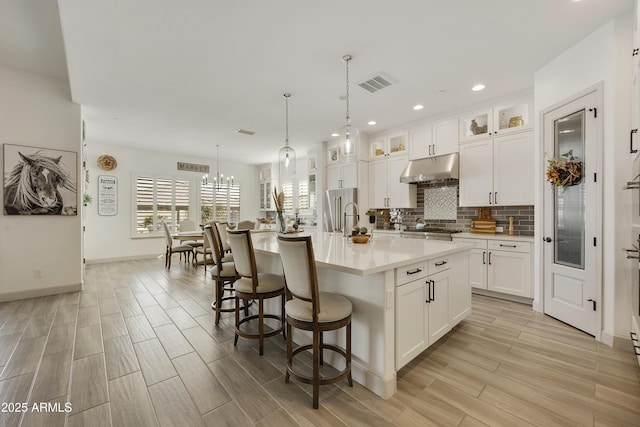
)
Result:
{"points": [[523, 215]]}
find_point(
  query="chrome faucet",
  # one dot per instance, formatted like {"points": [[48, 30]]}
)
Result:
{"points": [[346, 232]]}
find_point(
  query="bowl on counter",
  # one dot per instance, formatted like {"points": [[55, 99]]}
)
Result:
{"points": [[360, 238]]}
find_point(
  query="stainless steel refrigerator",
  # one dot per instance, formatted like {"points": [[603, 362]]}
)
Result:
{"points": [[335, 202]]}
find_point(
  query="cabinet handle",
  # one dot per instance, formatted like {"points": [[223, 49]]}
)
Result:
{"points": [[484, 253], [631, 150], [489, 197], [417, 270], [428, 283], [508, 246], [440, 264], [495, 198], [433, 290], [489, 258]]}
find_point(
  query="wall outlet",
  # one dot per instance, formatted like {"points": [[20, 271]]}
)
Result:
{"points": [[499, 230], [37, 274]]}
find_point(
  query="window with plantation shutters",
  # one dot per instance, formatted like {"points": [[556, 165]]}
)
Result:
{"points": [[160, 199], [303, 195], [287, 189], [227, 200]]}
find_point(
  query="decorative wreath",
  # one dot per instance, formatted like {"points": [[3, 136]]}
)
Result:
{"points": [[563, 172]]}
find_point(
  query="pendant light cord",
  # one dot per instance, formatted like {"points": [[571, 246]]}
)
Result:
{"points": [[286, 138], [346, 59]]}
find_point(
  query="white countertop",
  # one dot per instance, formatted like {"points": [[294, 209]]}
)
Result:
{"points": [[496, 236], [380, 254]]}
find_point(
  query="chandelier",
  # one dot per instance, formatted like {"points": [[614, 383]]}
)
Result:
{"points": [[287, 155], [218, 179]]}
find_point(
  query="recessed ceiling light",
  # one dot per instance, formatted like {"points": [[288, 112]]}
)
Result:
{"points": [[371, 122], [418, 107], [477, 87], [335, 134]]}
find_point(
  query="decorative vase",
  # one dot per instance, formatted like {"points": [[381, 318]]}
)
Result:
{"points": [[281, 226]]}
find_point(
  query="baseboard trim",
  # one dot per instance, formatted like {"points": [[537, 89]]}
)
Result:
{"points": [[500, 295], [42, 292], [617, 341], [124, 258]]}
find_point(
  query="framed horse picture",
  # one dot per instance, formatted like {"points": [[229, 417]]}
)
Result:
{"points": [[39, 181]]}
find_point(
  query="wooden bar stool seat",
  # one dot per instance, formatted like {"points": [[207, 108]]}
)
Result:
{"points": [[310, 310]]}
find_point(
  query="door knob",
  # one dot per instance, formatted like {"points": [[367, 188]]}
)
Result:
{"points": [[547, 239]]}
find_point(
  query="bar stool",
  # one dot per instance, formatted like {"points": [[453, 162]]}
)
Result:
{"points": [[311, 310], [223, 273], [254, 286]]}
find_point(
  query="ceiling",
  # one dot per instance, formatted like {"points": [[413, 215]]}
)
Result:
{"points": [[184, 76]]}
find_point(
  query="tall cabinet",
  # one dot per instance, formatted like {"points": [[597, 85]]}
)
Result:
{"points": [[496, 152], [389, 156]]}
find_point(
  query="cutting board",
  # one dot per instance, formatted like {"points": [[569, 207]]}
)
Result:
{"points": [[484, 223]]}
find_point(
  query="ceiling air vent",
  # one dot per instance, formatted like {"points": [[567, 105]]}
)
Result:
{"points": [[375, 83], [246, 132]]}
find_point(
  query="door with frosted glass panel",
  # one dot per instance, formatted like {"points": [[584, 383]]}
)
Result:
{"points": [[571, 138]]}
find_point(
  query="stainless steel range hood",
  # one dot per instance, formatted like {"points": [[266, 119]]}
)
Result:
{"points": [[431, 169]]}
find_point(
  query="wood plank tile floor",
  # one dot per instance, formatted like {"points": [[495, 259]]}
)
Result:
{"points": [[139, 347]]}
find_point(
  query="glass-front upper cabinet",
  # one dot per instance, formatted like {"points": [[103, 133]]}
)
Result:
{"points": [[512, 116], [389, 144], [475, 125]]}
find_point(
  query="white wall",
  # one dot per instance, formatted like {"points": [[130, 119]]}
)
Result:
{"points": [[37, 111], [109, 238], [605, 56]]}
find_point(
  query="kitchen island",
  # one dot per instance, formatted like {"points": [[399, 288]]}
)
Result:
{"points": [[406, 293]]}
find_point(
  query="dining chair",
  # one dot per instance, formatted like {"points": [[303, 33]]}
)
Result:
{"points": [[182, 248], [246, 224], [223, 273], [254, 286], [311, 310], [189, 225], [223, 230]]}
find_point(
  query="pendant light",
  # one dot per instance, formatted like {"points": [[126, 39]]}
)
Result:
{"points": [[287, 156], [350, 135]]}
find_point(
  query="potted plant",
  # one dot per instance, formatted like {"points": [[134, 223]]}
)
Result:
{"points": [[371, 213], [86, 199]]}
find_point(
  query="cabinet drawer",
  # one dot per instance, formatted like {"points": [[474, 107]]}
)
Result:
{"points": [[477, 243], [506, 245], [411, 272], [438, 264]]}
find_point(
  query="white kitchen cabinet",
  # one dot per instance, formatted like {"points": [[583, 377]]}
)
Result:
{"points": [[412, 333], [430, 300], [385, 188], [434, 139], [342, 176], [509, 267], [438, 287], [497, 171], [500, 266], [509, 117]]}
